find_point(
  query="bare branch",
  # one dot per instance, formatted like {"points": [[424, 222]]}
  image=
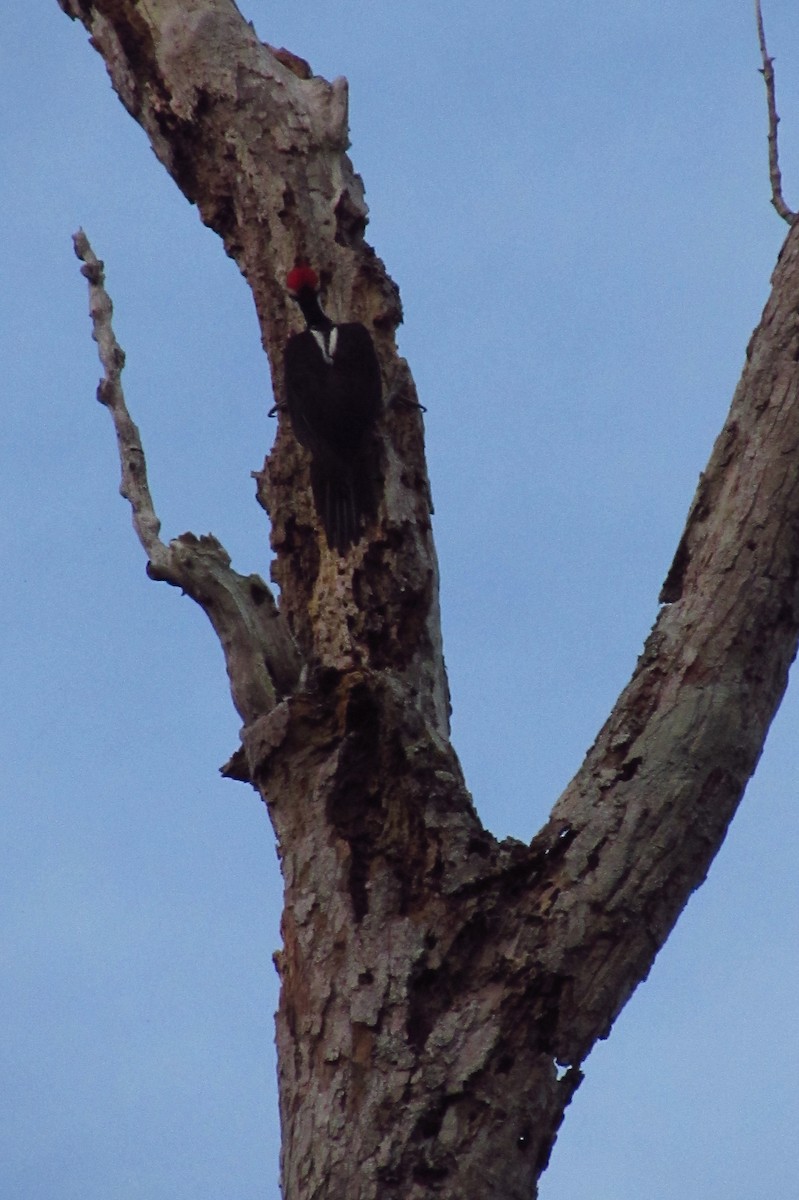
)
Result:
{"points": [[767, 71], [134, 486], [261, 658]]}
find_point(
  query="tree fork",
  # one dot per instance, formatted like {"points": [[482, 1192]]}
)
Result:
{"points": [[440, 989]]}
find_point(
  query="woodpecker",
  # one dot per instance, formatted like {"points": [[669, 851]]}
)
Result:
{"points": [[333, 395]]}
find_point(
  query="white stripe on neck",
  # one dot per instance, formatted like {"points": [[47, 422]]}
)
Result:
{"points": [[326, 340]]}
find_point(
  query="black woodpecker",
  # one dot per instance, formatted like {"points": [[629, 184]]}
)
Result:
{"points": [[334, 396]]}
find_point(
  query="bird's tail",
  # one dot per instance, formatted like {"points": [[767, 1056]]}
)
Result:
{"points": [[345, 499]]}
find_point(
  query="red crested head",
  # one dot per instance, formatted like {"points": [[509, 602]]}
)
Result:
{"points": [[302, 276]]}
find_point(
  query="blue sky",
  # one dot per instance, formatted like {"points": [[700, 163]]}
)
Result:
{"points": [[573, 199]]}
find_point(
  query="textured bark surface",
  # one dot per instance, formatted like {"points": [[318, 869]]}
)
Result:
{"points": [[440, 989]]}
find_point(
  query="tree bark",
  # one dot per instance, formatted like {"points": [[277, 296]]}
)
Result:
{"points": [[440, 989]]}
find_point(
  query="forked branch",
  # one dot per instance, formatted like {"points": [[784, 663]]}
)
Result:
{"points": [[775, 175], [260, 655], [434, 981]]}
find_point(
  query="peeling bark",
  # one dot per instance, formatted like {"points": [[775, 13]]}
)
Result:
{"points": [[441, 989]]}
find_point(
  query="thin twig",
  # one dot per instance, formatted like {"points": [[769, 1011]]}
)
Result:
{"points": [[767, 71]]}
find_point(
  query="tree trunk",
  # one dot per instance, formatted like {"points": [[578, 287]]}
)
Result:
{"points": [[441, 989]]}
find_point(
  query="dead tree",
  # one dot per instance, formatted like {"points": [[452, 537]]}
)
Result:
{"points": [[440, 989]]}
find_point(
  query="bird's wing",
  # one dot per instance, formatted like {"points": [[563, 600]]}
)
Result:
{"points": [[307, 385]]}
